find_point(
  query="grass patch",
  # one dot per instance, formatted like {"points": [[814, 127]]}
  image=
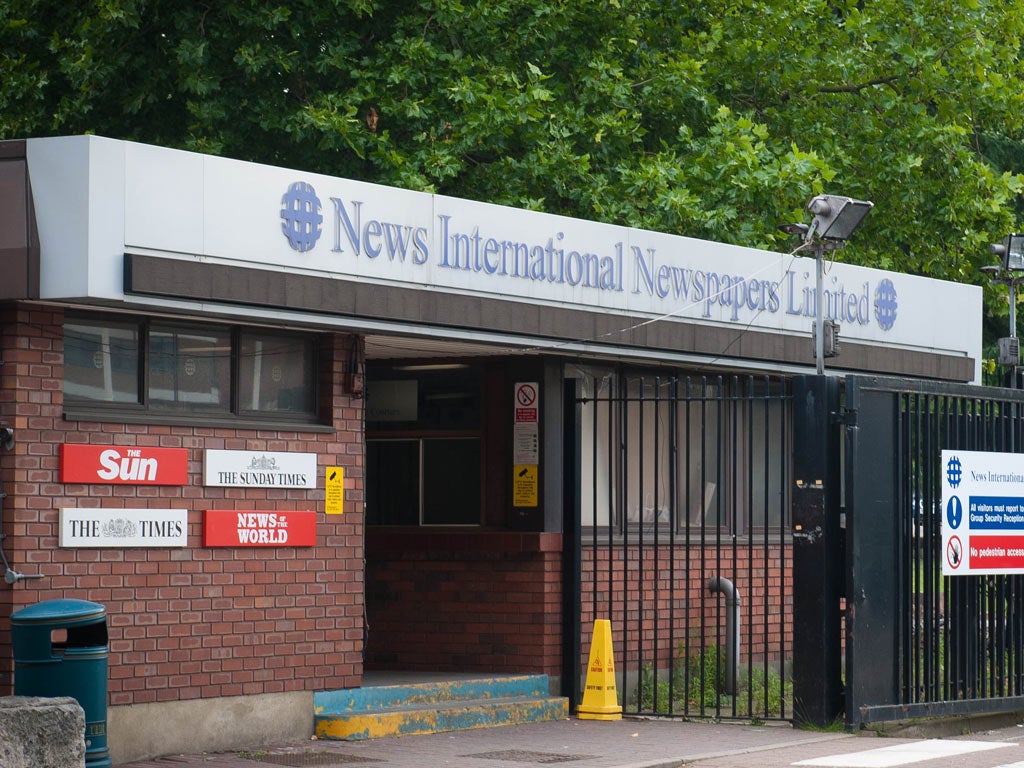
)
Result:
{"points": [[697, 688]]}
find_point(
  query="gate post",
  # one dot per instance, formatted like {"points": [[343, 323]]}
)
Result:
{"points": [[572, 546], [817, 553]]}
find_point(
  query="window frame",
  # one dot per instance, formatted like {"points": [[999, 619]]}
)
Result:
{"points": [[705, 424], [144, 410], [426, 430]]}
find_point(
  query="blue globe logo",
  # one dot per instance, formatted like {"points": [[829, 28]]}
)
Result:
{"points": [[301, 219], [954, 472], [885, 304]]}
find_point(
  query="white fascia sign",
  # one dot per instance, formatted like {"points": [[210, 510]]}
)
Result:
{"points": [[982, 513], [259, 469], [96, 199], [123, 527]]}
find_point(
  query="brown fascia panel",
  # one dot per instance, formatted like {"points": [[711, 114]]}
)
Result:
{"points": [[195, 281], [19, 239]]}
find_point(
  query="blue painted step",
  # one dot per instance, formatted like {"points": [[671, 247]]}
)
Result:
{"points": [[393, 710]]}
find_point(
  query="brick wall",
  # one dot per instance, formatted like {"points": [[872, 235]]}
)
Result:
{"points": [[464, 601], [659, 605], [195, 622]]}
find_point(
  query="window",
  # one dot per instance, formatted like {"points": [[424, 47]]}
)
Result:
{"points": [[274, 373], [169, 368], [101, 362], [423, 447], [189, 369], [690, 453]]}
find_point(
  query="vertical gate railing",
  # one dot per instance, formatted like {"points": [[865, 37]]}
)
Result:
{"points": [[683, 510], [956, 644]]}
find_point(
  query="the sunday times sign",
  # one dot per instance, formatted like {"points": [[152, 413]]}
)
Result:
{"points": [[982, 513], [259, 469]]}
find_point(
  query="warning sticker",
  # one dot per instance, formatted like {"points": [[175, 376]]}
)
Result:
{"points": [[525, 485], [334, 491]]}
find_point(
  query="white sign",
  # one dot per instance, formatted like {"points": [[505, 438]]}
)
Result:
{"points": [[525, 433], [123, 527], [97, 198], [982, 513], [259, 469]]}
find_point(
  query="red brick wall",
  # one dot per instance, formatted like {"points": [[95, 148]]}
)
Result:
{"points": [[464, 601], [195, 622], [659, 604], [491, 602]]}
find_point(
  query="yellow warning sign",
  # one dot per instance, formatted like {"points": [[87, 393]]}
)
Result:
{"points": [[334, 491], [600, 697], [524, 485]]}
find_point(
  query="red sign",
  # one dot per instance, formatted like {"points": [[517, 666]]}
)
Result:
{"points": [[1000, 553], [247, 528], [526, 395], [123, 465]]}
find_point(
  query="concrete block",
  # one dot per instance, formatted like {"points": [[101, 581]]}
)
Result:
{"points": [[38, 732]]}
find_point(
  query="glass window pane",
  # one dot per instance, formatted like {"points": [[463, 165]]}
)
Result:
{"points": [[190, 369], [447, 398], [701, 472], [451, 481], [101, 361], [647, 434], [392, 482], [767, 469], [276, 373], [598, 476]]}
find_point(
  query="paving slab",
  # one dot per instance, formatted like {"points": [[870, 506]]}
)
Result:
{"points": [[626, 743]]}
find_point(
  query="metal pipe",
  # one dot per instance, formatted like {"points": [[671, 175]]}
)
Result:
{"points": [[11, 576], [819, 309], [732, 629]]}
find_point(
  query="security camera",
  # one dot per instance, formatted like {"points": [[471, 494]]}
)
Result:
{"points": [[6, 437]]}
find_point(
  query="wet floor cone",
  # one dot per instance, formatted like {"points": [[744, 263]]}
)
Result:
{"points": [[600, 699]]}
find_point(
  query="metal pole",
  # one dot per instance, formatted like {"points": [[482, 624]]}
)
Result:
{"points": [[1013, 307], [819, 324], [1013, 328]]}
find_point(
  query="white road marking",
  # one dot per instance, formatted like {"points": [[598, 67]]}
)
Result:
{"points": [[904, 754]]}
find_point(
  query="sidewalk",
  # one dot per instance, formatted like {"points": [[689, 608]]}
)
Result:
{"points": [[627, 743]]}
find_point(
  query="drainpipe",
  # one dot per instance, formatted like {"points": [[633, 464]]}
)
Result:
{"points": [[732, 629], [11, 576]]}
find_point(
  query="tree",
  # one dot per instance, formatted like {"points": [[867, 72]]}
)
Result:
{"points": [[716, 120]]}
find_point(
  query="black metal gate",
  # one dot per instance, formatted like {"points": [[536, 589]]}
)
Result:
{"points": [[682, 534], [917, 643]]}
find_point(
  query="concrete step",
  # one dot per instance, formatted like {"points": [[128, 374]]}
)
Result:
{"points": [[395, 710]]}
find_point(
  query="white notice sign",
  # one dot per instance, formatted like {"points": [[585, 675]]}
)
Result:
{"points": [[982, 513], [123, 527], [259, 469]]}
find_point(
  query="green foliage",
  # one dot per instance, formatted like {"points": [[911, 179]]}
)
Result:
{"points": [[696, 688], [714, 120]]}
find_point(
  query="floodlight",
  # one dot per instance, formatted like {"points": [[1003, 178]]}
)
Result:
{"points": [[1010, 253], [836, 217]]}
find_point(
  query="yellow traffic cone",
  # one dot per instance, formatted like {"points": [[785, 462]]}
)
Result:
{"points": [[600, 699]]}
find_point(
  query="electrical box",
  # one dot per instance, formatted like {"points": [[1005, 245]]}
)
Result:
{"points": [[1009, 351], [830, 347]]}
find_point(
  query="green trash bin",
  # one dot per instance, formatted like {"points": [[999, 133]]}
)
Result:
{"points": [[60, 649]]}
